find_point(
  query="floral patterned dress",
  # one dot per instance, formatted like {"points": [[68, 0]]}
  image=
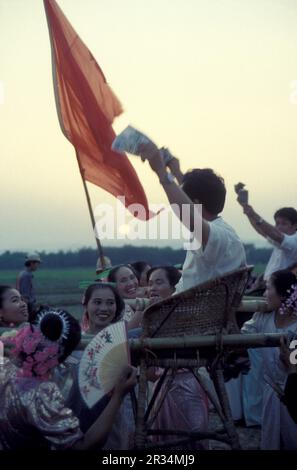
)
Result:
{"points": [[33, 413]]}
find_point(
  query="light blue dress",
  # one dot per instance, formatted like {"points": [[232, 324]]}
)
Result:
{"points": [[278, 429], [252, 389]]}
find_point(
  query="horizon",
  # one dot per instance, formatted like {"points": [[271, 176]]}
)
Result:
{"points": [[256, 243]]}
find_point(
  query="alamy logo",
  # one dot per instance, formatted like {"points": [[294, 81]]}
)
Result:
{"points": [[1, 92], [293, 354], [293, 94], [172, 223], [1, 353]]}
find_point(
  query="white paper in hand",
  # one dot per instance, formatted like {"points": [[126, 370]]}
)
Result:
{"points": [[130, 140]]}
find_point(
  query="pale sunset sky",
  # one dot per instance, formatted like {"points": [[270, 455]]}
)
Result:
{"points": [[210, 79]]}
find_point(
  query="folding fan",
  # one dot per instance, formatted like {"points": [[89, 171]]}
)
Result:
{"points": [[103, 362]]}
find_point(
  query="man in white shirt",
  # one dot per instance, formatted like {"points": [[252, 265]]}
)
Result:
{"points": [[283, 236], [221, 250]]}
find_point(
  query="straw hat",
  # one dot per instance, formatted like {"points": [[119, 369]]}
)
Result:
{"points": [[33, 257]]}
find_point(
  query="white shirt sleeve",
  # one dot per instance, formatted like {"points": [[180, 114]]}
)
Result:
{"points": [[289, 243], [254, 325]]}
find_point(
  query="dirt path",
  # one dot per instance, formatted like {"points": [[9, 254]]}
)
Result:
{"points": [[249, 437]]}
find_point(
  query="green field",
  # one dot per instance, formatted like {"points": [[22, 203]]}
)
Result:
{"points": [[56, 287], [61, 287], [259, 268]]}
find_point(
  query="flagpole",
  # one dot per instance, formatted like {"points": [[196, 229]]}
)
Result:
{"points": [[99, 246]]}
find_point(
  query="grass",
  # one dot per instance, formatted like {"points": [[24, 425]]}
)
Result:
{"points": [[259, 268], [56, 287]]}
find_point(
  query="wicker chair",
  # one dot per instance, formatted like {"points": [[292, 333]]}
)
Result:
{"points": [[206, 309]]}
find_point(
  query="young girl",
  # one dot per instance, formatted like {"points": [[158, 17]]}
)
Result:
{"points": [[278, 429], [13, 308], [103, 306], [33, 413]]}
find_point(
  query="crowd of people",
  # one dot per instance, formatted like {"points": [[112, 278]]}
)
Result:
{"points": [[41, 405]]}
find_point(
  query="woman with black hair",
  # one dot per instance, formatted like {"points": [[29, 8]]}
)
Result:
{"points": [[185, 406], [141, 268], [13, 308], [278, 429], [126, 280], [102, 305], [33, 413]]}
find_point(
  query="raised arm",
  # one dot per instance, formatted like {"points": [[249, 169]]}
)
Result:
{"points": [[261, 226], [174, 168], [175, 194], [97, 434]]}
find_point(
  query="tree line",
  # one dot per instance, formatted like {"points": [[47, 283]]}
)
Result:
{"points": [[87, 257]]}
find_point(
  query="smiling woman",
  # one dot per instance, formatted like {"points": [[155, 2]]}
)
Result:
{"points": [[103, 306], [125, 279], [13, 309]]}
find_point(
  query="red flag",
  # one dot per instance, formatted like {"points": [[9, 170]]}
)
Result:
{"points": [[86, 108]]}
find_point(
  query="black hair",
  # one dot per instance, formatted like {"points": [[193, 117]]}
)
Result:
{"points": [[139, 267], [288, 213], [207, 187], [51, 326], [282, 281], [120, 305], [3, 289], [172, 273], [112, 273]]}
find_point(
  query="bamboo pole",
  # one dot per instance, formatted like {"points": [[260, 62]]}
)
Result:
{"points": [[253, 305], [192, 342], [207, 341], [99, 246], [265, 340]]}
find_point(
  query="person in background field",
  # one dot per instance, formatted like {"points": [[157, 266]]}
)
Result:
{"points": [[282, 236], [220, 250], [278, 429], [24, 283]]}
